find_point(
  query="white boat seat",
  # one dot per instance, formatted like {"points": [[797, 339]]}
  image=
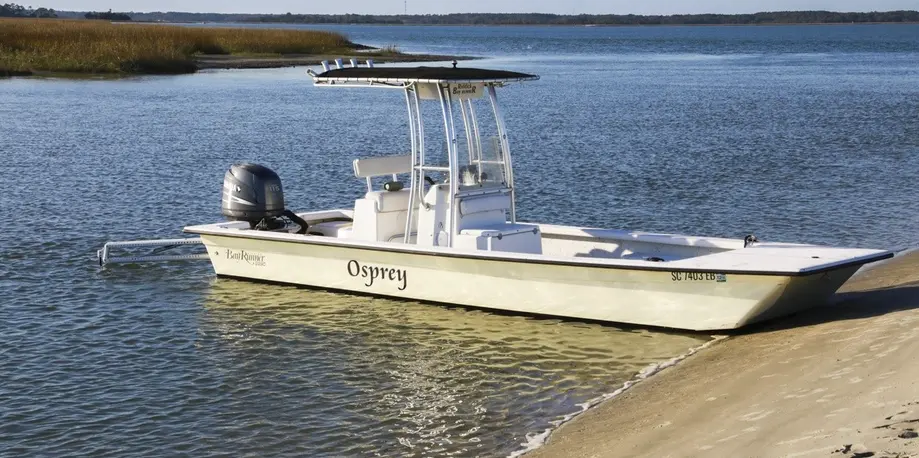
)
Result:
{"points": [[379, 166], [380, 215], [486, 203], [387, 201], [334, 229]]}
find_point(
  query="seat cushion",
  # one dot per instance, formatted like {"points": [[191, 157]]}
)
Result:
{"points": [[380, 166], [387, 201], [493, 202]]}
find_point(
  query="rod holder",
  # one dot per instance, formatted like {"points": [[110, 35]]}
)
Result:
{"points": [[354, 63], [325, 66], [338, 63]]}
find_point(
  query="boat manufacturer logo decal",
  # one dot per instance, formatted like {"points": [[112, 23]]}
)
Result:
{"points": [[253, 259], [698, 276], [370, 274]]}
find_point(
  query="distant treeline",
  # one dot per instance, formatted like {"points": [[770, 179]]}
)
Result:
{"points": [[171, 16], [14, 10], [107, 16], [778, 17]]}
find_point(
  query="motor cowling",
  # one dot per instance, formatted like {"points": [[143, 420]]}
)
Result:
{"points": [[252, 193]]}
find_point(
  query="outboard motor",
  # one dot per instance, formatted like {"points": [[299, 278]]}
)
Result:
{"points": [[253, 193]]}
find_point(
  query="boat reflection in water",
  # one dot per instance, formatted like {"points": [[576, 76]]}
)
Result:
{"points": [[328, 373]]}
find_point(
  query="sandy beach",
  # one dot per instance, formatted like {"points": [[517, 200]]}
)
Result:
{"points": [[837, 381]]}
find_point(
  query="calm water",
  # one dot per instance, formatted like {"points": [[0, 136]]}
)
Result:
{"points": [[806, 134]]}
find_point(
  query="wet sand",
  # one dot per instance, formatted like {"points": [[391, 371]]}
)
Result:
{"points": [[838, 381]]}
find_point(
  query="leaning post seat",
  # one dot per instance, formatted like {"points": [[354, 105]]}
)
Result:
{"points": [[389, 201], [482, 225], [381, 215], [483, 209]]}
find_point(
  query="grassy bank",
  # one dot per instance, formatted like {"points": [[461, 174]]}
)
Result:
{"points": [[74, 46]]}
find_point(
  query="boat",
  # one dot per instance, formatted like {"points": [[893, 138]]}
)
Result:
{"points": [[439, 224]]}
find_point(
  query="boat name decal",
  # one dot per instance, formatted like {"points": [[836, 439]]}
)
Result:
{"points": [[253, 259], [461, 89], [698, 276], [372, 273]]}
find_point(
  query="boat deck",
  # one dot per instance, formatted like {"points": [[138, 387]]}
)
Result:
{"points": [[706, 253]]}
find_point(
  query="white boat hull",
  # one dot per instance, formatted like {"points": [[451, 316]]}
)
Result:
{"points": [[670, 298]]}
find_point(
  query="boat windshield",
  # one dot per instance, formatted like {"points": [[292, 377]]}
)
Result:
{"points": [[483, 165], [480, 158]]}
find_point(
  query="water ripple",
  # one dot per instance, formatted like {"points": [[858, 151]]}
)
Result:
{"points": [[254, 369]]}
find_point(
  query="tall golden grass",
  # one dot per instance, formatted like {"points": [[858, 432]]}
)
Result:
{"points": [[29, 45]]}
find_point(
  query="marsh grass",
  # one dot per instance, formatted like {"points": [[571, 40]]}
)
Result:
{"points": [[75, 46], [389, 50]]}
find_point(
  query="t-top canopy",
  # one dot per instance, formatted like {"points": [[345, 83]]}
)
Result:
{"points": [[420, 75]]}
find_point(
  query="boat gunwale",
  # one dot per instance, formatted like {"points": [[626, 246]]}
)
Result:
{"points": [[596, 263]]}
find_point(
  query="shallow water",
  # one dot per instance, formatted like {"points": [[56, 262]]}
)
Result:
{"points": [[805, 134]]}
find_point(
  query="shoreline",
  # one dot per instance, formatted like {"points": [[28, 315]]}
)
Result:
{"points": [[831, 380], [243, 62], [382, 24], [537, 440], [66, 48], [211, 62]]}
